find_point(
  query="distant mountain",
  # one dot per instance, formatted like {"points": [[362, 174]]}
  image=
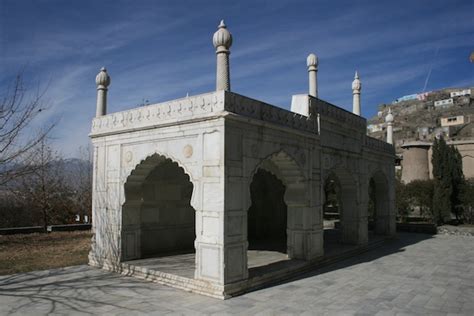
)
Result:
{"points": [[71, 169], [74, 168]]}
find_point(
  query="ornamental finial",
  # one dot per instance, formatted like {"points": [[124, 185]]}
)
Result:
{"points": [[312, 60], [356, 85], [222, 37], [102, 78], [389, 117]]}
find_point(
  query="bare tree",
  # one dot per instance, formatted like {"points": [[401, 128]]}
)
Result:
{"points": [[18, 109], [83, 194], [45, 190]]}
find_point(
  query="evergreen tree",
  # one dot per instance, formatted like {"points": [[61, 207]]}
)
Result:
{"points": [[458, 181], [467, 199], [448, 176], [442, 189]]}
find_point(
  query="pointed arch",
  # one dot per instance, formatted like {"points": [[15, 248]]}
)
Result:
{"points": [[157, 214], [348, 202], [139, 172], [284, 168]]}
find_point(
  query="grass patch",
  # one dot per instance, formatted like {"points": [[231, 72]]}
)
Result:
{"points": [[30, 252]]}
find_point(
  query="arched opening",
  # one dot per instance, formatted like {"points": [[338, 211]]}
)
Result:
{"points": [[332, 212], [340, 210], [277, 202], [267, 215], [157, 217], [332, 204], [167, 217], [378, 206]]}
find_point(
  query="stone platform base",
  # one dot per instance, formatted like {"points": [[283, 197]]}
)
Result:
{"points": [[169, 279], [273, 269]]}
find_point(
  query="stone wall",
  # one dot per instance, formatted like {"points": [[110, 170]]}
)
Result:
{"points": [[466, 149], [415, 164]]}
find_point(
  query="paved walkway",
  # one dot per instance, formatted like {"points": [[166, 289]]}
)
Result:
{"points": [[417, 274]]}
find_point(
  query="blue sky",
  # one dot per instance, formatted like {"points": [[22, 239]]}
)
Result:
{"points": [[161, 50]]}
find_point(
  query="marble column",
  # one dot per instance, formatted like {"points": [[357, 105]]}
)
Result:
{"points": [[102, 81], [222, 41], [356, 87], [312, 63], [389, 121]]}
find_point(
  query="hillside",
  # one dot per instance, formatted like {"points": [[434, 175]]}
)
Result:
{"points": [[424, 116]]}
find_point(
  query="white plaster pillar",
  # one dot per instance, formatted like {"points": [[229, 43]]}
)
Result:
{"points": [[356, 87], [389, 121], [102, 81], [222, 41], [312, 63]]}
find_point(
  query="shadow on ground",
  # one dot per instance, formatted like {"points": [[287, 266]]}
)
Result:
{"points": [[332, 248], [82, 289]]}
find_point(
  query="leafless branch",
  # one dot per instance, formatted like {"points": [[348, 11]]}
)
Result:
{"points": [[18, 110]]}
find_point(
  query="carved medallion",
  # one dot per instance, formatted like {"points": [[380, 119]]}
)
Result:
{"points": [[128, 156], [188, 151]]}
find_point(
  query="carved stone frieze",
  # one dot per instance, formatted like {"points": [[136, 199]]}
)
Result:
{"points": [[258, 110], [161, 113]]}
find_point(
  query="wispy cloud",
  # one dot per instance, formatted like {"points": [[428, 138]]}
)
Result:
{"points": [[159, 51]]}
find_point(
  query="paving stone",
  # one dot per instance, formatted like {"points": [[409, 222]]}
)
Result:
{"points": [[375, 283]]}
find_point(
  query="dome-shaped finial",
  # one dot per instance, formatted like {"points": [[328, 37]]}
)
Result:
{"points": [[389, 117], [102, 78], [222, 37], [312, 60], [356, 85]]}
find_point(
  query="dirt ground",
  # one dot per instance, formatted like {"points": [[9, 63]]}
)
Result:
{"points": [[30, 252]]}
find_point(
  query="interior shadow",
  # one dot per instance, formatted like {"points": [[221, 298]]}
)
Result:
{"points": [[278, 245], [332, 203], [267, 215], [158, 210]]}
